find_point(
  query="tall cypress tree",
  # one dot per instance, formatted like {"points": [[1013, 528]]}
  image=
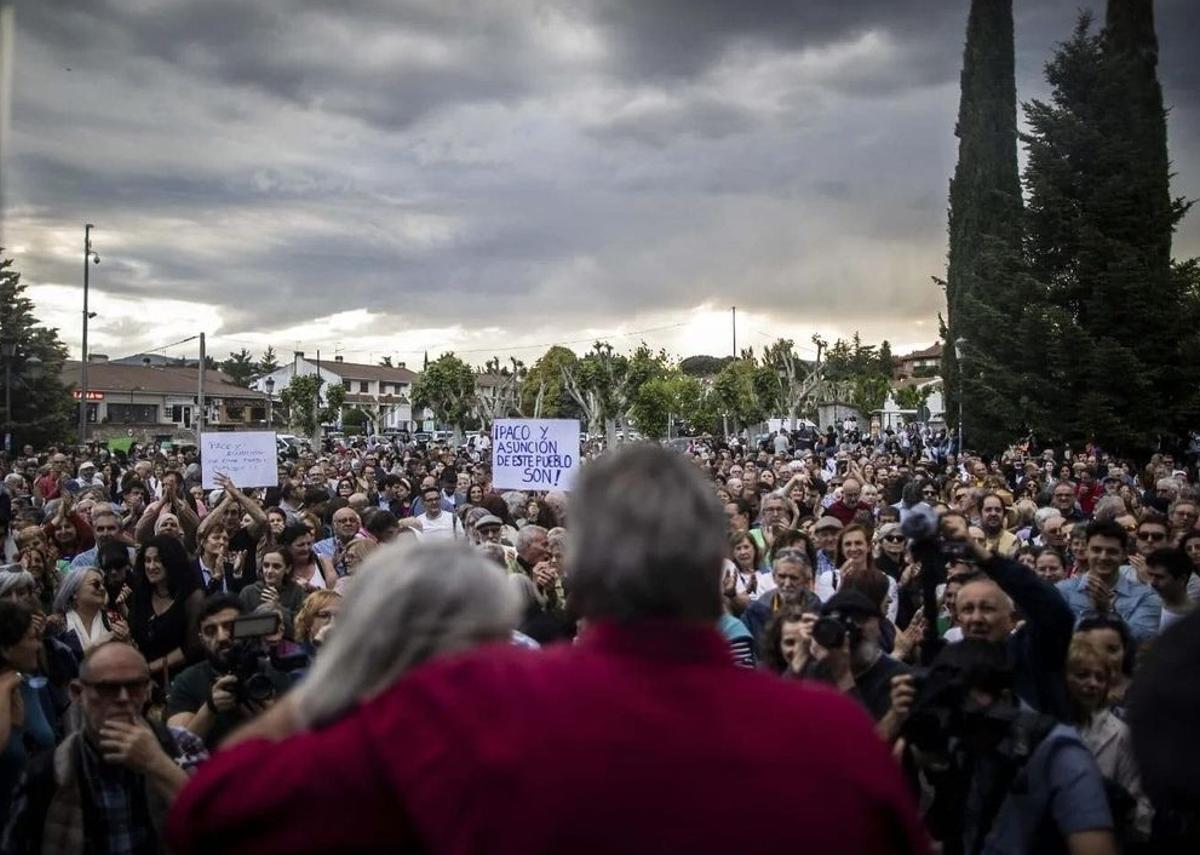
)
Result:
{"points": [[1100, 221], [982, 302]]}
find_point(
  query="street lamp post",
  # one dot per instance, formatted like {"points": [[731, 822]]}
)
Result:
{"points": [[88, 255], [270, 384], [959, 344]]}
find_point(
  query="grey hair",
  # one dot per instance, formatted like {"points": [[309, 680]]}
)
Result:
{"points": [[1109, 508], [525, 536], [69, 587], [515, 500], [649, 540], [15, 576], [1043, 515], [408, 604]]}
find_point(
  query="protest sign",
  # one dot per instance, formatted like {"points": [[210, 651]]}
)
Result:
{"points": [[535, 454], [248, 458]]}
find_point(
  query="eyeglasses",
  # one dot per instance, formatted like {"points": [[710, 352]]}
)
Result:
{"points": [[895, 538], [1152, 536], [96, 585], [111, 690]]}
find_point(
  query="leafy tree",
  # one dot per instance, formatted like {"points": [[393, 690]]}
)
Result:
{"points": [[301, 404], [240, 367], [912, 397], [736, 393], [887, 367], [704, 366], [543, 393], [268, 362], [41, 407], [1121, 328], [984, 226], [667, 396], [386, 362], [447, 388]]}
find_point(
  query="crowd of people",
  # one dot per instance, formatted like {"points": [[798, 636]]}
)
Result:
{"points": [[895, 643]]}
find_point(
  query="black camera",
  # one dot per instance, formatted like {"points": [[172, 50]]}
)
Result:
{"points": [[830, 630], [248, 660]]}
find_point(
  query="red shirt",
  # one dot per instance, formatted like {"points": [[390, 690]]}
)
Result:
{"points": [[844, 513], [637, 738]]}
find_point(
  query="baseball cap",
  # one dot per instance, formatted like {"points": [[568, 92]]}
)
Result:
{"points": [[828, 522], [488, 520]]}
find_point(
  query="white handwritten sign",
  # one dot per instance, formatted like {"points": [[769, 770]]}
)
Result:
{"points": [[535, 454], [247, 458]]}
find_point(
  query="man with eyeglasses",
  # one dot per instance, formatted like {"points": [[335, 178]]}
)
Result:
{"points": [[1183, 515], [108, 785], [1062, 499]]}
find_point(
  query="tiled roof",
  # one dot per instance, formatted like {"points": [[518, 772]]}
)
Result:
{"points": [[362, 371], [114, 377], [932, 352]]}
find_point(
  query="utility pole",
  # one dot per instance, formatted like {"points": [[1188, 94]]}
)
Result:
{"points": [[200, 409], [88, 255], [733, 311]]}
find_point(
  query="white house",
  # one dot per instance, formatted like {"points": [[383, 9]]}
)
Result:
{"points": [[893, 416], [384, 393]]}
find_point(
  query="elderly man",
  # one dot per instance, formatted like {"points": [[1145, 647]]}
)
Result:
{"points": [[106, 526], [792, 574], [346, 529], [107, 787], [650, 681]]}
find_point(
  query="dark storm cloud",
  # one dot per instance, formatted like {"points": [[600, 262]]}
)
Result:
{"points": [[565, 165]]}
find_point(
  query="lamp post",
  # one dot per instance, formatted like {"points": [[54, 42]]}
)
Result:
{"points": [[959, 345], [88, 255], [270, 384]]}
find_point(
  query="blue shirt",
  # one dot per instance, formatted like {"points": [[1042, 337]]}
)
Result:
{"points": [[1060, 782], [91, 557], [1135, 603]]}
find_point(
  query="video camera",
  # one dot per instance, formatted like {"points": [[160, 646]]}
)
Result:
{"points": [[248, 659], [830, 631]]}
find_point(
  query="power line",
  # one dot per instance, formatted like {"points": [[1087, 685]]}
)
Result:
{"points": [[160, 347]]}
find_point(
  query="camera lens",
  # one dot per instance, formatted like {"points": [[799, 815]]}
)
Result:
{"points": [[829, 632]]}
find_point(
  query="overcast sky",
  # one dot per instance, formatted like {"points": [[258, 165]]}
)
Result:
{"points": [[393, 176]]}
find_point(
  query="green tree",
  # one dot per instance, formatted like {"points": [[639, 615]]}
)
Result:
{"points": [[268, 362], [240, 367], [301, 405], [386, 362], [543, 393], [736, 393], [41, 407], [1121, 336], [671, 395], [704, 366], [447, 388], [912, 397], [985, 232]]}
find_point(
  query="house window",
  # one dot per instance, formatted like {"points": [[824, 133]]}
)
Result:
{"points": [[132, 414], [235, 412], [363, 385], [346, 385]]}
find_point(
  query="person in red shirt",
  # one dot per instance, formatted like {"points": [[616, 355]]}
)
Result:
{"points": [[633, 738], [845, 508], [1088, 491]]}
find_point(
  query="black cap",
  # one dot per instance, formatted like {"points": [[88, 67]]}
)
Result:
{"points": [[851, 602]]}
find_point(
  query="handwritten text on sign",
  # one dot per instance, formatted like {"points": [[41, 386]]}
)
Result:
{"points": [[535, 454], [248, 458]]}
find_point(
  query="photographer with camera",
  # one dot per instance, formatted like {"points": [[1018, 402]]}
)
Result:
{"points": [[845, 652], [986, 606], [1004, 779], [235, 681]]}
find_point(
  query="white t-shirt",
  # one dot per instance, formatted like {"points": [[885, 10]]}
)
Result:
{"points": [[444, 527], [827, 586]]}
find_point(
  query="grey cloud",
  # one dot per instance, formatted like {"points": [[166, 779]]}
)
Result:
{"points": [[239, 154]]}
